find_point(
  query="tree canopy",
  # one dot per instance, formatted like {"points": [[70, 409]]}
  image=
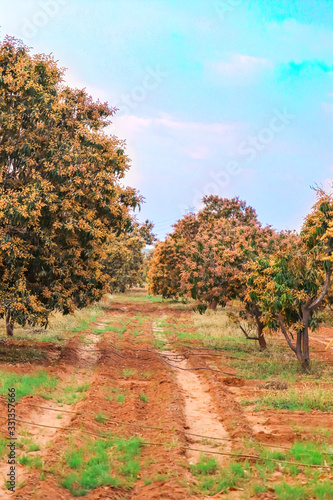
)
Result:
{"points": [[61, 195]]}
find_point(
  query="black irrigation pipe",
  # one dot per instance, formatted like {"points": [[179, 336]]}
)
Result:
{"points": [[105, 351], [255, 457], [175, 366], [175, 355]]}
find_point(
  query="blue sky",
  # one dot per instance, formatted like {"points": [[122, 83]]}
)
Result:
{"points": [[230, 97]]}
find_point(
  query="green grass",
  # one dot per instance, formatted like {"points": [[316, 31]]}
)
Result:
{"points": [[34, 462], [120, 398], [100, 417], [3, 444], [323, 491], [34, 447], [82, 326], [285, 491], [116, 329], [110, 462], [159, 344], [127, 372], [70, 395], [213, 479], [140, 319], [285, 370], [305, 399], [37, 383], [309, 453], [75, 459], [143, 398]]}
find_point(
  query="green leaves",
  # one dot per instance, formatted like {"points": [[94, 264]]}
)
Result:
{"points": [[61, 197]]}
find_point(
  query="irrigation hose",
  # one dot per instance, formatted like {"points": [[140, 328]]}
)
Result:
{"points": [[60, 410], [254, 457]]}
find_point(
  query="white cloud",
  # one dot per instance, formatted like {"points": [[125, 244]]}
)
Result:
{"points": [[239, 66], [196, 140]]}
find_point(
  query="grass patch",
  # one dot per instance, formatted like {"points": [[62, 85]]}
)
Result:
{"points": [[37, 383], [143, 398], [21, 354], [285, 491], [323, 491], [71, 394], [34, 462], [116, 329], [111, 462], [305, 399], [101, 418], [213, 479], [3, 444], [286, 370]]}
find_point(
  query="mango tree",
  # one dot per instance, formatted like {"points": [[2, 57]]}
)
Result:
{"points": [[293, 286], [61, 195]]}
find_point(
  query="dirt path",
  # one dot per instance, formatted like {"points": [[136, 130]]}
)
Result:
{"points": [[50, 417], [200, 413], [140, 385]]}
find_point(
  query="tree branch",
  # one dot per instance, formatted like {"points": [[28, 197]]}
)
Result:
{"points": [[285, 333], [246, 335], [324, 291]]}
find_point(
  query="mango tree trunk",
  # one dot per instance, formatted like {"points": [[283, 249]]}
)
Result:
{"points": [[9, 324]]}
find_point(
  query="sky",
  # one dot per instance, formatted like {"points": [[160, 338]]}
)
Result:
{"points": [[225, 97]]}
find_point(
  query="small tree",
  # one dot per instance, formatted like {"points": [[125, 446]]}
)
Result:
{"points": [[293, 286], [125, 259], [167, 258], [215, 269]]}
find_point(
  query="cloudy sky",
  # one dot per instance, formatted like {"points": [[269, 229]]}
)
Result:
{"points": [[227, 97]]}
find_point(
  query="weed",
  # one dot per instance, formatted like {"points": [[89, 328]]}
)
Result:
{"points": [[204, 467], [31, 462], [96, 459], [213, 479], [305, 399], [127, 372], [100, 418], [3, 443], [71, 394], [143, 398], [75, 459], [120, 398], [26, 384], [34, 447], [284, 491], [308, 453], [323, 491]]}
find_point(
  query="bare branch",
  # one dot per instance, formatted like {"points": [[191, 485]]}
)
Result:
{"points": [[246, 335], [285, 333]]}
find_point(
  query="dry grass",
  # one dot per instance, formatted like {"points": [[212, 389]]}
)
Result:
{"points": [[60, 327], [306, 398]]}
